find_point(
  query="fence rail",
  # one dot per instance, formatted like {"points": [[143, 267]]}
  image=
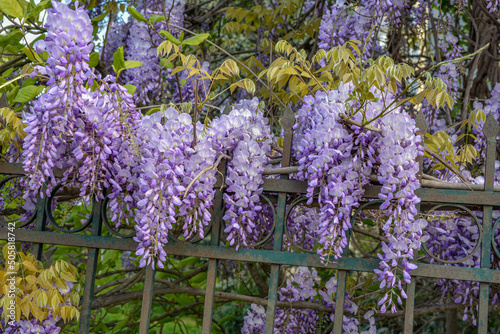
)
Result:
{"points": [[437, 196]]}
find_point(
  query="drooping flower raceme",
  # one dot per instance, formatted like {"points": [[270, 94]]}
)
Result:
{"points": [[53, 118], [397, 173], [171, 186], [324, 149], [150, 79], [245, 136], [340, 23], [339, 162]]}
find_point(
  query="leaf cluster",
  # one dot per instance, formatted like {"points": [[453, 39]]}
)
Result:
{"points": [[38, 289]]}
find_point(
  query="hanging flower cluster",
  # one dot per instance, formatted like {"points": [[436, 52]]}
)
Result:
{"points": [[244, 135], [171, 184], [398, 175], [340, 23], [176, 175], [339, 162]]}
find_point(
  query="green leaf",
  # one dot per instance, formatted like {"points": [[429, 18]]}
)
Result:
{"points": [[170, 37], [132, 64], [166, 64], [156, 18], [152, 111], [92, 4], [27, 94], [11, 8], [93, 59], [119, 61], [198, 278], [32, 55], [195, 40], [11, 39], [28, 82], [130, 88], [138, 16], [368, 222], [8, 72], [39, 8], [99, 18], [189, 261]]}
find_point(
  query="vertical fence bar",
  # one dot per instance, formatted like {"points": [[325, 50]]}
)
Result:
{"points": [[421, 124], [208, 310], [147, 300], [490, 131], [287, 121], [88, 291], [40, 221], [410, 305], [339, 302]]}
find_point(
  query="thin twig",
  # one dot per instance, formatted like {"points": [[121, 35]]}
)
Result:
{"points": [[237, 60], [204, 171], [426, 150]]}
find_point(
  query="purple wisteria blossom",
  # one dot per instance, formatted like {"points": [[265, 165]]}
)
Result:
{"points": [[171, 186], [245, 135]]}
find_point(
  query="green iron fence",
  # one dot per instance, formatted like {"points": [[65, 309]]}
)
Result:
{"points": [[290, 193]]}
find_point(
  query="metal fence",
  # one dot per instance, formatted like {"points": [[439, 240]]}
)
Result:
{"points": [[483, 198]]}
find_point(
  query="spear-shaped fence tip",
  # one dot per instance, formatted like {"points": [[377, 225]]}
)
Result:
{"points": [[491, 127], [226, 110], [3, 101], [288, 119], [421, 123]]}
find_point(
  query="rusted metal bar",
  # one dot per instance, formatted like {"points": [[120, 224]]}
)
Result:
{"points": [[40, 221], [93, 256], [147, 300], [410, 288], [339, 302], [11, 169], [490, 131], [434, 195], [208, 310], [287, 121], [256, 255], [410, 305]]}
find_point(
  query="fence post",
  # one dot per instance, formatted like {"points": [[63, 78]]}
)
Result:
{"points": [[147, 299], [208, 310], [421, 124], [287, 121], [93, 257], [490, 131], [40, 220]]}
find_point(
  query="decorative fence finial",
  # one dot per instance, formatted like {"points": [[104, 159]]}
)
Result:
{"points": [[421, 123], [288, 119], [226, 109], [491, 127], [3, 101]]}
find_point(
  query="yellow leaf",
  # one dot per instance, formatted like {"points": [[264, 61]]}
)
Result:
{"points": [[36, 310], [25, 309], [30, 266], [31, 279], [61, 284], [67, 276], [55, 302]]}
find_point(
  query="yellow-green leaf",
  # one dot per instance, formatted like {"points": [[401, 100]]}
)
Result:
{"points": [[11, 8]]}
